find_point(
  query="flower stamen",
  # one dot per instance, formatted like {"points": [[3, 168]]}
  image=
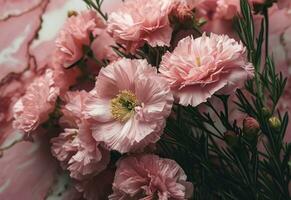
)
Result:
{"points": [[198, 61], [122, 106]]}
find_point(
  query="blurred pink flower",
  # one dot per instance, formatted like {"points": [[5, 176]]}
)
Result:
{"points": [[76, 33], [198, 68], [141, 21], [101, 47], [37, 103], [79, 152], [285, 4], [129, 105], [218, 9], [150, 177]]}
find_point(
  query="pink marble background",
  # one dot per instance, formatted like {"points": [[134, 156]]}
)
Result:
{"points": [[28, 29]]}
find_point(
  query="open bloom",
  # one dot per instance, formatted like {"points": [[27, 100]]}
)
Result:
{"points": [[150, 177], [129, 105], [73, 108], [76, 33], [75, 147], [200, 67], [285, 4], [38, 102], [141, 21], [79, 152]]}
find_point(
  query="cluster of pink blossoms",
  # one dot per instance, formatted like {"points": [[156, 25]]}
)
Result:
{"points": [[126, 110]]}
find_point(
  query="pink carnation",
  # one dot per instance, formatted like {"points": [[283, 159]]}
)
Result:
{"points": [[38, 102], [129, 105], [72, 110], [76, 33], [79, 152], [102, 47], [150, 177], [285, 4], [141, 21], [198, 68]]}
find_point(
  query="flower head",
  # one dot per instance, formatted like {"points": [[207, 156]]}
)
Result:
{"points": [[251, 126], [150, 177], [133, 25], [128, 105], [76, 33], [37, 103], [79, 152], [198, 68]]}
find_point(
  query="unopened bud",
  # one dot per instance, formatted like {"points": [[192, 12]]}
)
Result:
{"points": [[251, 126], [72, 13], [275, 123], [266, 112], [231, 138]]}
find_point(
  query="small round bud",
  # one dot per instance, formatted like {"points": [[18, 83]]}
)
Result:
{"points": [[251, 126], [266, 112], [231, 138], [72, 13], [275, 123]]}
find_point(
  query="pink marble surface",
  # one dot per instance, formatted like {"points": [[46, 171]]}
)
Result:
{"points": [[28, 29]]}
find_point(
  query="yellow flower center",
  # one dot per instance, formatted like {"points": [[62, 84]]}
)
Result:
{"points": [[122, 106], [198, 61]]}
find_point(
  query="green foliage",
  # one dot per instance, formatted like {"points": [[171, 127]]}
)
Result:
{"points": [[96, 5], [220, 169]]}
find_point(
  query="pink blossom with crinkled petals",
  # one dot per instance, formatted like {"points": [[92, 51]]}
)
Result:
{"points": [[140, 119], [218, 9], [79, 152], [73, 109], [141, 21], [150, 177], [102, 47], [285, 4], [198, 68], [64, 78], [76, 33], [38, 102]]}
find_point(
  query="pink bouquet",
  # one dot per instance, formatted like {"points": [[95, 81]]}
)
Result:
{"points": [[160, 99]]}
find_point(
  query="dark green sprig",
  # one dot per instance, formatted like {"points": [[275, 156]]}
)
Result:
{"points": [[97, 6]]}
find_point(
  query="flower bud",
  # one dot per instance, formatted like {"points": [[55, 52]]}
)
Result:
{"points": [[275, 123], [251, 126], [266, 112], [231, 138], [72, 13]]}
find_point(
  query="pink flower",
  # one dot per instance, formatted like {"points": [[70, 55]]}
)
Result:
{"points": [[72, 110], [101, 47], [218, 9], [227, 9], [38, 102], [198, 68], [129, 105], [141, 21], [76, 33], [150, 177], [79, 152], [285, 4], [64, 78]]}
